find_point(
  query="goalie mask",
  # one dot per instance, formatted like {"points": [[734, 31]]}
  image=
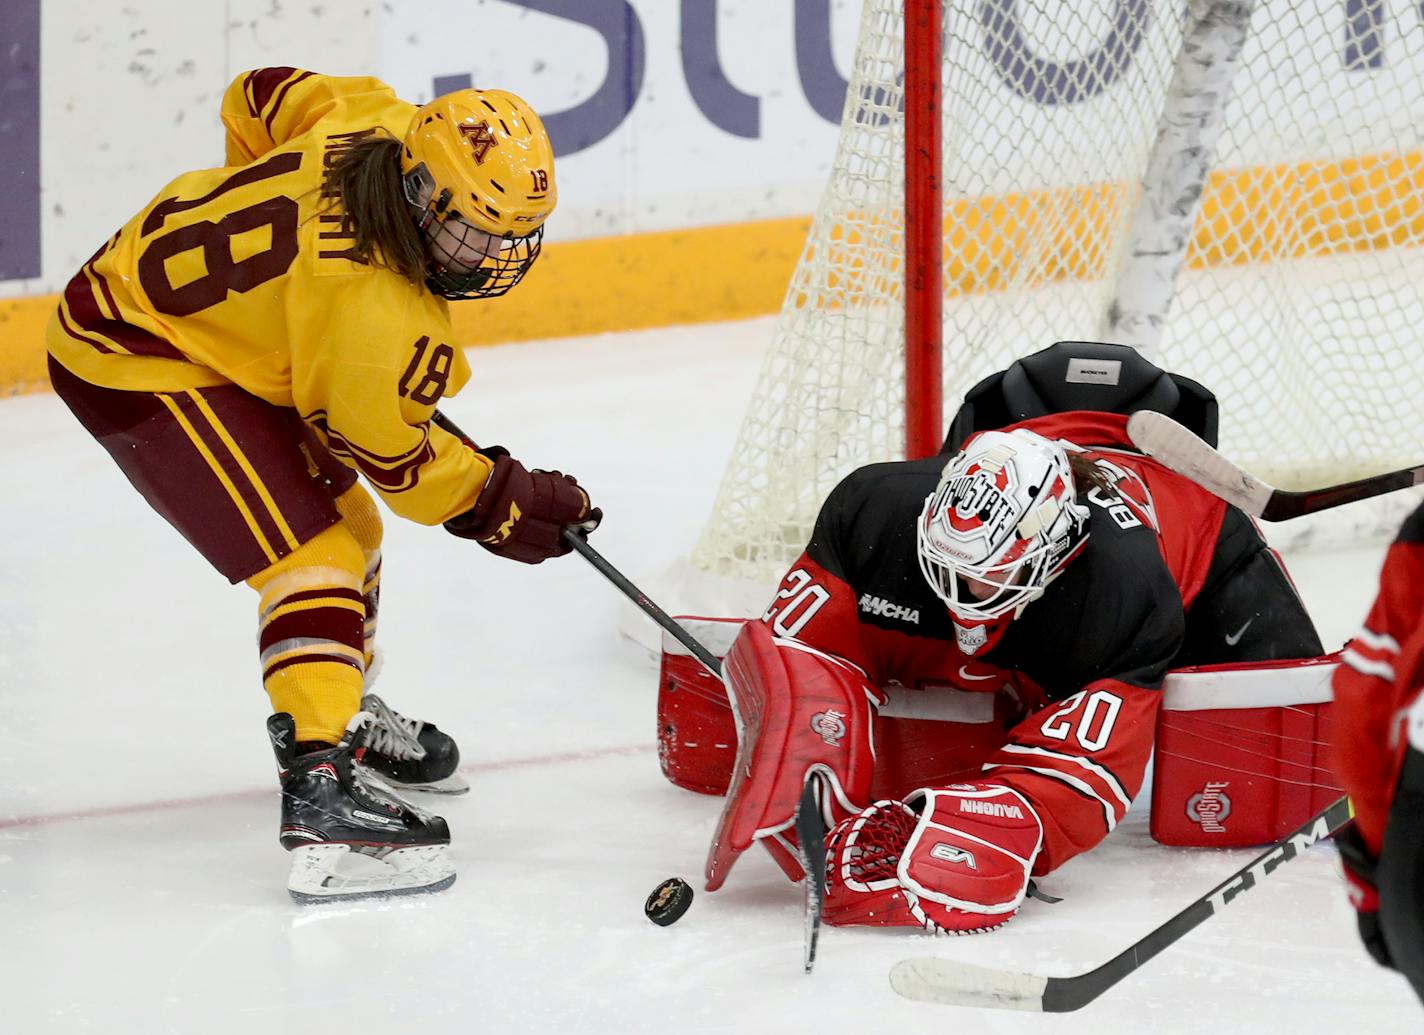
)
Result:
{"points": [[479, 167], [1002, 524]]}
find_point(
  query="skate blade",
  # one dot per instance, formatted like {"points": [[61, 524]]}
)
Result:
{"points": [[334, 872]]}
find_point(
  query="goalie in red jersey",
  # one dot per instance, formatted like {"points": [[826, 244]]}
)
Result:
{"points": [[1048, 556], [263, 333], [1379, 753]]}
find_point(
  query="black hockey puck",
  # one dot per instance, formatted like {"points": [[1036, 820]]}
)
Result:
{"points": [[668, 902]]}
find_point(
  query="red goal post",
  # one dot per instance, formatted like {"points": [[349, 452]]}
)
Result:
{"points": [[1233, 186]]}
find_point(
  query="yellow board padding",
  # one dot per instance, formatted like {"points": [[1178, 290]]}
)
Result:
{"points": [[22, 343], [1252, 215], [740, 270], [697, 275]]}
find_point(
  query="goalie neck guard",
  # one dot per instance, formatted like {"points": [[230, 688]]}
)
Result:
{"points": [[1001, 525], [479, 168]]}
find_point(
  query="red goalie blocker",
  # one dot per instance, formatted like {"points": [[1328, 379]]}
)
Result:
{"points": [[1242, 752], [1240, 760]]}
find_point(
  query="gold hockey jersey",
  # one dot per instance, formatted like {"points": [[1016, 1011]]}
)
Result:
{"points": [[241, 275]]}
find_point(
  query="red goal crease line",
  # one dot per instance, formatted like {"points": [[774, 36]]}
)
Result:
{"points": [[1255, 215]]}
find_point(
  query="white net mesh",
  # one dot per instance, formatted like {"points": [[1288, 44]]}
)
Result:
{"points": [[1298, 301]]}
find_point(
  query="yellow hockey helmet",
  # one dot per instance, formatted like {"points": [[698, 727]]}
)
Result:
{"points": [[479, 167]]}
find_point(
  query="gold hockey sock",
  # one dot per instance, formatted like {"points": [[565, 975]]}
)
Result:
{"points": [[359, 514], [311, 633]]}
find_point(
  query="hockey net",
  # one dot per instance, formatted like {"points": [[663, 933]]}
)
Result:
{"points": [[1296, 295]]}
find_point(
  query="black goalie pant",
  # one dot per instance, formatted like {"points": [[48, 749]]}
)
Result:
{"points": [[1248, 609]]}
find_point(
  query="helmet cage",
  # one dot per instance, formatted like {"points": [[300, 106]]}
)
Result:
{"points": [[1020, 561], [443, 228]]}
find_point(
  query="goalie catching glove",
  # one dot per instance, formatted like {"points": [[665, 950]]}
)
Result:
{"points": [[953, 860], [521, 514]]}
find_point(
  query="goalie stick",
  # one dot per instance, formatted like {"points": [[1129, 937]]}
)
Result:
{"points": [[811, 833], [933, 979], [1162, 438]]}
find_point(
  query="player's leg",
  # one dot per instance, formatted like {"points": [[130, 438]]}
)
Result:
{"points": [[1248, 609], [410, 754], [232, 474]]}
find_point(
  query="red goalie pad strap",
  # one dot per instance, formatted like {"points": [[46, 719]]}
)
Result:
{"points": [[797, 710]]}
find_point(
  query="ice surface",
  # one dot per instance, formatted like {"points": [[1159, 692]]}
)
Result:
{"points": [[141, 884]]}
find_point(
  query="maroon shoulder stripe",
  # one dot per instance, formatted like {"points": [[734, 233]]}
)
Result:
{"points": [[277, 104], [262, 83]]}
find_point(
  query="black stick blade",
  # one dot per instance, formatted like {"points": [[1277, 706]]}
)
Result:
{"points": [[811, 832]]}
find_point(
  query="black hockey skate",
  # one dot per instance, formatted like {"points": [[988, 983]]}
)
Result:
{"points": [[348, 839], [410, 755]]}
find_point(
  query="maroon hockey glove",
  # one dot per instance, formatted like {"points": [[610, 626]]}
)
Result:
{"points": [[1360, 866], [521, 514]]}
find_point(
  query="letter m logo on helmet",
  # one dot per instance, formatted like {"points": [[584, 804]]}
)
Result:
{"points": [[478, 167], [480, 139], [491, 152]]}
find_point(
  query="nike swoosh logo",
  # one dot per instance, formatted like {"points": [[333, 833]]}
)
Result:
{"points": [[1232, 640], [964, 673]]}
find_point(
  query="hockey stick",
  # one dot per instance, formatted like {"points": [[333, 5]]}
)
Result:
{"points": [[576, 538], [1164, 439], [935, 980], [811, 833]]}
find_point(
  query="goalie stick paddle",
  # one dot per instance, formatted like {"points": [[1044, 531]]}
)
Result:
{"points": [[1162, 438], [811, 832], [577, 539], [933, 979]]}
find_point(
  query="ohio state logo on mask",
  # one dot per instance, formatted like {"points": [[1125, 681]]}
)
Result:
{"points": [[978, 507], [1000, 524]]}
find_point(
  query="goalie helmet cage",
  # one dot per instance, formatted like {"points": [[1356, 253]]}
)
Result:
{"points": [[1232, 186]]}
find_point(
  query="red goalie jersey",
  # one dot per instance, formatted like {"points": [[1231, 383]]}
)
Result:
{"points": [[1165, 575], [1377, 687], [1379, 753]]}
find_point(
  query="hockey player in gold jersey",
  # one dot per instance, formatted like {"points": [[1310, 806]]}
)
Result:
{"points": [[261, 333]]}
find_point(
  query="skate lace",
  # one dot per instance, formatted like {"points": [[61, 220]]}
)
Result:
{"points": [[390, 733]]}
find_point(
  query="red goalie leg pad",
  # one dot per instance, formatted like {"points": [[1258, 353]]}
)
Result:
{"points": [[797, 710], [961, 866]]}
